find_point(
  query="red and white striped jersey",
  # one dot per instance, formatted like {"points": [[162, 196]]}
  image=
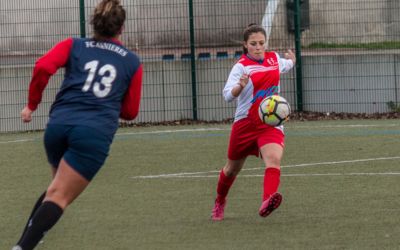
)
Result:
{"points": [[264, 80]]}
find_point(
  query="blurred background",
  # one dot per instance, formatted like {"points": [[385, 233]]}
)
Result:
{"points": [[348, 53]]}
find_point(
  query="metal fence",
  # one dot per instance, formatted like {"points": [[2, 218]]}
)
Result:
{"points": [[348, 53]]}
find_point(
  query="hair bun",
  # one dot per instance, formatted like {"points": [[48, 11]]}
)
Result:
{"points": [[108, 5], [116, 2], [108, 18]]}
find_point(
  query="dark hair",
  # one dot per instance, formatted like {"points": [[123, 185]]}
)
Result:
{"points": [[108, 19], [250, 29]]}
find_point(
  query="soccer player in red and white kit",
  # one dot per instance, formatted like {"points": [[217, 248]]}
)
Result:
{"points": [[255, 76], [102, 83]]}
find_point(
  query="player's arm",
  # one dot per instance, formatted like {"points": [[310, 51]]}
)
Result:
{"points": [[236, 82], [287, 63], [131, 101], [45, 67]]}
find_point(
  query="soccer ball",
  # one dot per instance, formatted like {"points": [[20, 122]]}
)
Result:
{"points": [[274, 110]]}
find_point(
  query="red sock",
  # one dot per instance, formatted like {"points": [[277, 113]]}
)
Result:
{"points": [[271, 181], [224, 184]]}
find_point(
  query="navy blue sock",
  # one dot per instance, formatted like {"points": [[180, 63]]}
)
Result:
{"points": [[45, 217]]}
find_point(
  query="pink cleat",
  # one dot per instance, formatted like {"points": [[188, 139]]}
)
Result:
{"points": [[270, 204], [218, 210]]}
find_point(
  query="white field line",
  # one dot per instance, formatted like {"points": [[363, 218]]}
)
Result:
{"points": [[335, 162], [284, 175], [16, 141], [228, 129], [351, 126], [139, 133], [193, 174], [173, 131], [346, 174], [219, 129], [330, 174]]}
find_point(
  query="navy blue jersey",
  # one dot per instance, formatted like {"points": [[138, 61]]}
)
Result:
{"points": [[97, 77]]}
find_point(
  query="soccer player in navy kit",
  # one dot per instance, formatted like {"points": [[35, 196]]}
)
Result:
{"points": [[102, 83], [255, 76]]}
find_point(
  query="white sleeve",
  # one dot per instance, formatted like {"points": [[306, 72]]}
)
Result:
{"points": [[233, 80], [285, 65]]}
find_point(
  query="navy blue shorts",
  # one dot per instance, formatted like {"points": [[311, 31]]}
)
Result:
{"points": [[85, 149]]}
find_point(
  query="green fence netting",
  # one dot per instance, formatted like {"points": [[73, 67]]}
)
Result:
{"points": [[348, 53]]}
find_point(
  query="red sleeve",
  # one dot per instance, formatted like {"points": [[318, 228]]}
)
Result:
{"points": [[130, 104], [44, 68]]}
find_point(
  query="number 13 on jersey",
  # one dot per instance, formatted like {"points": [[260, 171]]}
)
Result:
{"points": [[108, 73]]}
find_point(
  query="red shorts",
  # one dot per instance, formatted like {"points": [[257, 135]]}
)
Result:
{"points": [[247, 138]]}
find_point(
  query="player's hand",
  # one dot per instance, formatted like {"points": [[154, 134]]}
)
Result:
{"points": [[26, 114], [291, 56], [244, 79]]}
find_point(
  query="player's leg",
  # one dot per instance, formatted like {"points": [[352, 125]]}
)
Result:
{"points": [[65, 187], [272, 154], [37, 204], [226, 178], [55, 143], [242, 143], [35, 207], [87, 151]]}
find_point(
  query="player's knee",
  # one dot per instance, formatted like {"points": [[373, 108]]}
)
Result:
{"points": [[231, 170], [58, 196], [274, 161]]}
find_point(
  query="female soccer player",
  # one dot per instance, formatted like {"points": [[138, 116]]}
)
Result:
{"points": [[102, 83], [254, 77]]}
